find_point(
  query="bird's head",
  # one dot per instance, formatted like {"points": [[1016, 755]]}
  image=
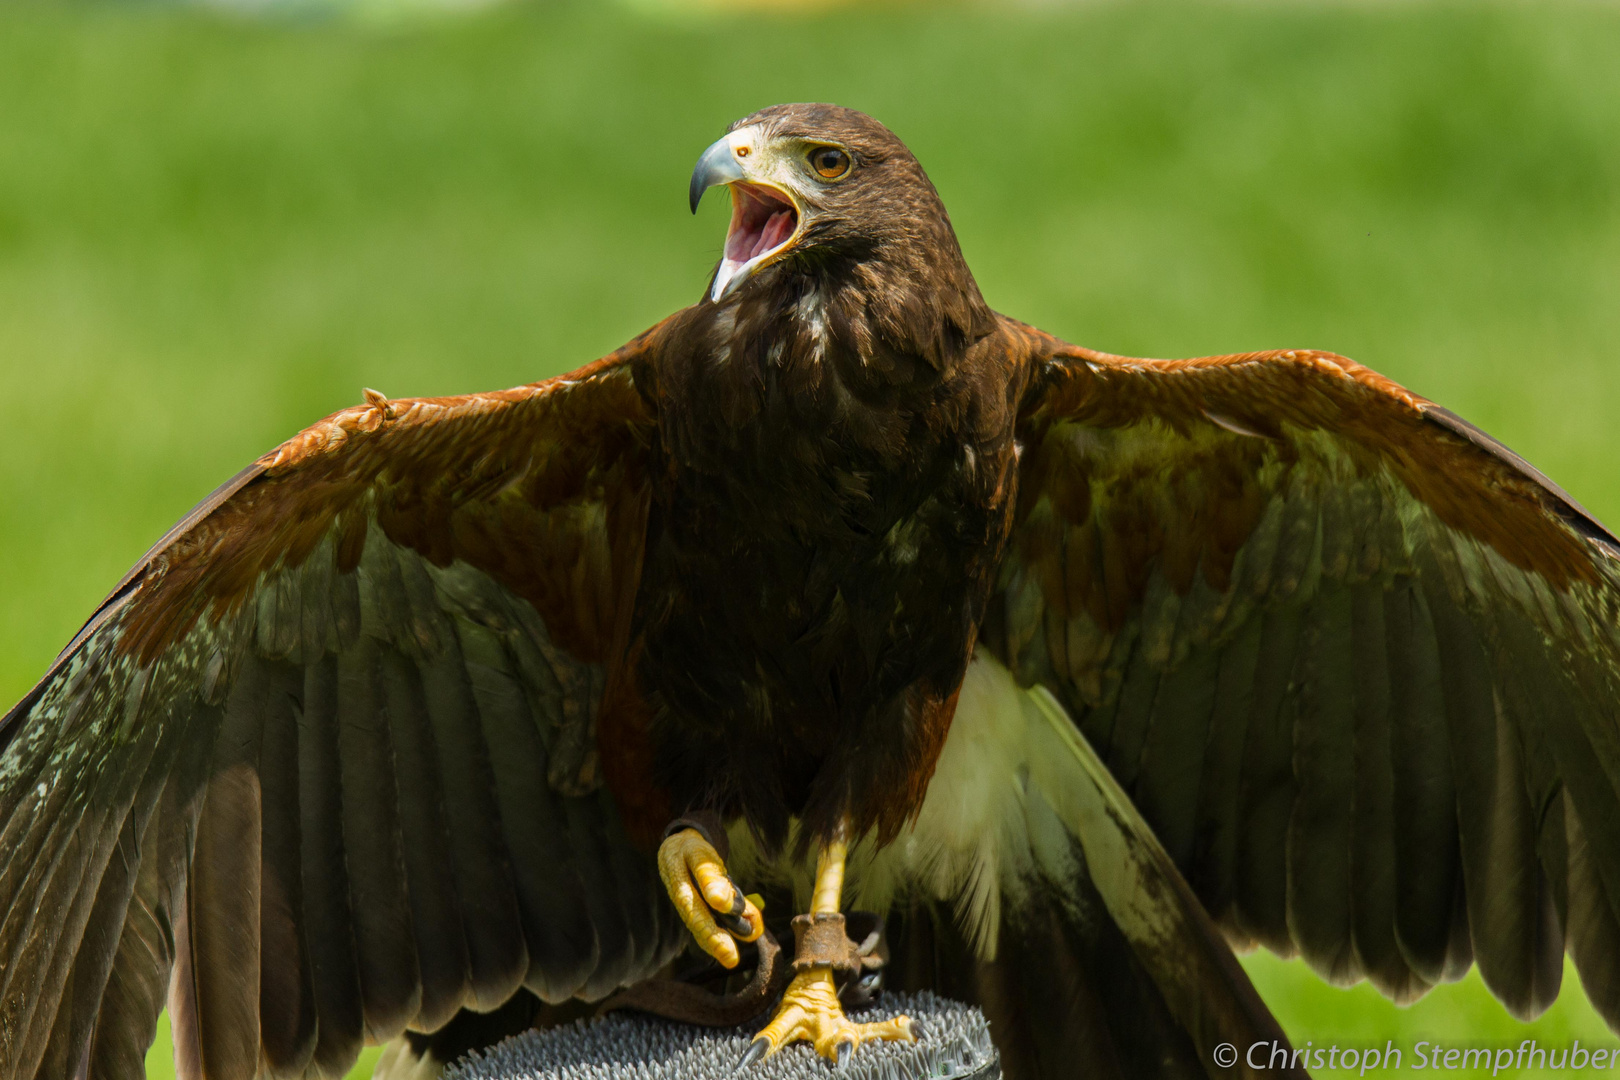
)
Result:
{"points": [[828, 188]]}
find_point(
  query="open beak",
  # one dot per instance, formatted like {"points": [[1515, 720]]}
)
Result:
{"points": [[764, 219]]}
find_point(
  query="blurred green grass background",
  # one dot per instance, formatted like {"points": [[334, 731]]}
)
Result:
{"points": [[214, 230]]}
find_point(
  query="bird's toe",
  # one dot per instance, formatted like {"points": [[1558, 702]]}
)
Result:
{"points": [[810, 1012], [713, 907]]}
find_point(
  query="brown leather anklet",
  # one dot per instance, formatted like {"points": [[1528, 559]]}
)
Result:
{"points": [[820, 940]]}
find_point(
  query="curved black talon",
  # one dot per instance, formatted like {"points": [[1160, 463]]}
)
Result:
{"points": [[919, 1030], [732, 919], [733, 924], [756, 1051], [842, 1053]]}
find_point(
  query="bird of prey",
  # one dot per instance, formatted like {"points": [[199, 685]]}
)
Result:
{"points": [[836, 589]]}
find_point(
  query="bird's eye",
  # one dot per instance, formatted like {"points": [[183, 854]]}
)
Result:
{"points": [[829, 162]]}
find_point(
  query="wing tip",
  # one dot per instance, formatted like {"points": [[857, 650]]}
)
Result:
{"points": [[1565, 505]]}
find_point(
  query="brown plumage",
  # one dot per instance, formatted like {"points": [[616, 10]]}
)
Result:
{"points": [[388, 727]]}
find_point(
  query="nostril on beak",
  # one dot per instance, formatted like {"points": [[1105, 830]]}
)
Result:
{"points": [[717, 166]]}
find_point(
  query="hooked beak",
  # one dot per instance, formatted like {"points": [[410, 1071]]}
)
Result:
{"points": [[765, 219], [718, 165]]}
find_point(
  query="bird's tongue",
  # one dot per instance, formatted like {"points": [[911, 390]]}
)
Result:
{"points": [[777, 229], [761, 222]]}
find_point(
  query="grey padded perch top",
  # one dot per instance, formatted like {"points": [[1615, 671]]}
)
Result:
{"points": [[955, 1045]]}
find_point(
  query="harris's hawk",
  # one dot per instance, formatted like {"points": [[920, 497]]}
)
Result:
{"points": [[1086, 666]]}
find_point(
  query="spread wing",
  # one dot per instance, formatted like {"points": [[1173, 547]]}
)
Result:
{"points": [[1356, 664], [328, 752]]}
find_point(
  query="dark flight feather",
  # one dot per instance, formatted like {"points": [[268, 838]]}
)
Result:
{"points": [[436, 917], [1169, 782], [125, 1019], [1427, 862], [1213, 862], [561, 914], [1373, 885], [1267, 786], [327, 921], [1320, 829], [485, 892], [384, 937], [67, 1044], [1594, 931], [220, 937], [288, 1015]]}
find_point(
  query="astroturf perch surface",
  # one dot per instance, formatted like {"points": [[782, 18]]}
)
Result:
{"points": [[214, 231]]}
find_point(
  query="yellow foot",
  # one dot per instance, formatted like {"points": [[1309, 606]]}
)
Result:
{"points": [[709, 902], [810, 1012]]}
